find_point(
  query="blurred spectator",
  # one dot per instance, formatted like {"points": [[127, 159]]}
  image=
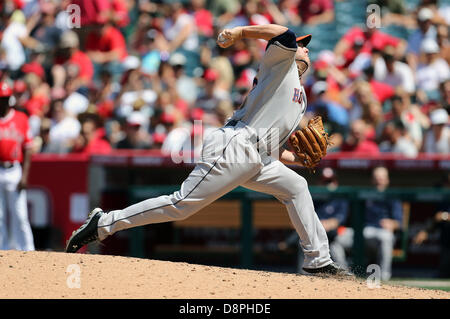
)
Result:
{"points": [[393, 12], [440, 222], [444, 88], [42, 140], [440, 10], [208, 99], [151, 53], [396, 140], [314, 12], [222, 65], [432, 71], [175, 136], [444, 42], [105, 43], [410, 116], [335, 116], [289, 9], [71, 64], [203, 18], [356, 98], [185, 85], [103, 95], [91, 11], [357, 140], [180, 28], [383, 218], [393, 72], [426, 30], [333, 215], [135, 92], [15, 38], [364, 41], [381, 91], [44, 29], [135, 137], [374, 118], [20, 95], [437, 139], [252, 13], [92, 138], [224, 10], [63, 130]]}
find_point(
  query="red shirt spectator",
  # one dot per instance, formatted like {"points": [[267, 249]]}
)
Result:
{"points": [[106, 40], [369, 40], [34, 67], [86, 69], [82, 61], [204, 21], [90, 10], [358, 140], [311, 8], [121, 17], [98, 145], [382, 91], [367, 147], [92, 140]]}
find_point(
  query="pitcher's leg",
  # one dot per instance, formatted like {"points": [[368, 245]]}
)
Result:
{"points": [[21, 233], [292, 190], [206, 183]]}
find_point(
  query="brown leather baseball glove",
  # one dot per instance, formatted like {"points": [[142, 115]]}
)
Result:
{"points": [[310, 143]]}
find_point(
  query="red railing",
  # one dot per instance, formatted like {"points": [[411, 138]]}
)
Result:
{"points": [[341, 160]]}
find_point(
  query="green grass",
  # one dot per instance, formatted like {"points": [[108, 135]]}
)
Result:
{"points": [[425, 283]]}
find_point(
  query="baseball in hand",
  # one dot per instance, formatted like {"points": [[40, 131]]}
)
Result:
{"points": [[221, 38]]}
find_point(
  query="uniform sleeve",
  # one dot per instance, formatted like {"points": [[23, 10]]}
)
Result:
{"points": [[279, 48], [286, 40]]}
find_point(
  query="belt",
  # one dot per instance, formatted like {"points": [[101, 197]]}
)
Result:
{"points": [[234, 123], [6, 164]]}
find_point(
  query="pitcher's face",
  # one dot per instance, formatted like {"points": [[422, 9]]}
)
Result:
{"points": [[302, 53], [302, 58]]}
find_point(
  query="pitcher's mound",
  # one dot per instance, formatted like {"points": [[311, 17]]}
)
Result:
{"points": [[60, 275]]}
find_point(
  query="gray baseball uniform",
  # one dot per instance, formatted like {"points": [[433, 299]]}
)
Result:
{"points": [[242, 154]]}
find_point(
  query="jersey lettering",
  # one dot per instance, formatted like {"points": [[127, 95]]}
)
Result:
{"points": [[299, 98]]}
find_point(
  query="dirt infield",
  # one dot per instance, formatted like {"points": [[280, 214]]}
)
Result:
{"points": [[49, 275]]}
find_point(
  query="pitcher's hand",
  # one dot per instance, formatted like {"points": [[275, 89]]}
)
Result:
{"points": [[228, 37]]}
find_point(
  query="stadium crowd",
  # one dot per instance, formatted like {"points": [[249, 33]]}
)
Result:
{"points": [[140, 74]]}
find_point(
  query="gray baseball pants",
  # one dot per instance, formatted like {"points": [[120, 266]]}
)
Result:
{"points": [[230, 159]]}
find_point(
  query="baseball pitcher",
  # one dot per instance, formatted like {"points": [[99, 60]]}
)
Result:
{"points": [[248, 151]]}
